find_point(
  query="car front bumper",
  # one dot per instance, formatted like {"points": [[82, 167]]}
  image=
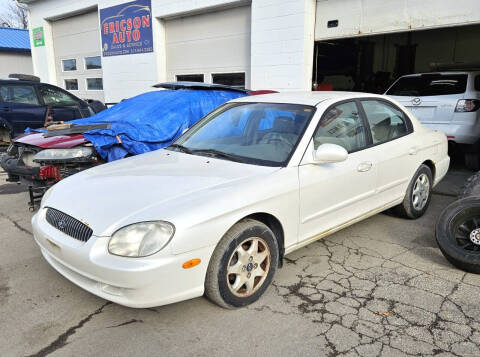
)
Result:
{"points": [[135, 282]]}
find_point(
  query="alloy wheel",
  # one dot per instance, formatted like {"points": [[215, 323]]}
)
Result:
{"points": [[248, 267]]}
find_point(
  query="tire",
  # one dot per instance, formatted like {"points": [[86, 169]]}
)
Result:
{"points": [[471, 187], [472, 161], [463, 253], [409, 208], [220, 287]]}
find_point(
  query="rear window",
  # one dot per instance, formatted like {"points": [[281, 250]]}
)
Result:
{"points": [[429, 84]]}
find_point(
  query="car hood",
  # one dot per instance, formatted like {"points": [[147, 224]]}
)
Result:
{"points": [[53, 142], [154, 186]]}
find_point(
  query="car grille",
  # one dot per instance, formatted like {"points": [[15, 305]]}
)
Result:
{"points": [[68, 225]]}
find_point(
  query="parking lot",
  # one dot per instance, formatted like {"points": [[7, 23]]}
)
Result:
{"points": [[378, 288]]}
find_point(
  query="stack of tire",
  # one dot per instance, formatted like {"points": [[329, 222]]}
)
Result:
{"points": [[458, 228]]}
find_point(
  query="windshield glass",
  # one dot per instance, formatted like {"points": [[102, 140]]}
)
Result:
{"points": [[429, 84], [256, 133]]}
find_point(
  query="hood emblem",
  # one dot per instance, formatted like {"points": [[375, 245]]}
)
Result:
{"points": [[416, 101], [62, 224]]}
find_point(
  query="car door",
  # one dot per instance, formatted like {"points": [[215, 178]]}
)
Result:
{"points": [[62, 105], [333, 194], [20, 107], [393, 145]]}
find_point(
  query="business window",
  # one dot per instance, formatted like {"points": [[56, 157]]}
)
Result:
{"points": [[94, 83], [71, 84], [93, 62], [69, 65], [229, 79], [190, 78]]}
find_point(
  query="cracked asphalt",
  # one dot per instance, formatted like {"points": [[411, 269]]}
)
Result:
{"points": [[378, 288]]}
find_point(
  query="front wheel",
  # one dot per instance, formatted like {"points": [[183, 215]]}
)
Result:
{"points": [[458, 234], [242, 265], [418, 195]]}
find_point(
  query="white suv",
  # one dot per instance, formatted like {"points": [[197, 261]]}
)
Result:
{"points": [[445, 101]]}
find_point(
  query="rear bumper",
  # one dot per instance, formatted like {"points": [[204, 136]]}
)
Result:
{"points": [[461, 133], [441, 169]]}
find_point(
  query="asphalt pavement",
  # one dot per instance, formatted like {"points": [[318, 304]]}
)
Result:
{"points": [[378, 288]]}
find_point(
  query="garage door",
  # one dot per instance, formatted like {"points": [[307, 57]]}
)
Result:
{"points": [[210, 48], [78, 55]]}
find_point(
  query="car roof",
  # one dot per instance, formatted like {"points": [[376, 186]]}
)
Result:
{"points": [[17, 81], [306, 98]]}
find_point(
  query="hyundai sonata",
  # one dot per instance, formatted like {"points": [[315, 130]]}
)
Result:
{"points": [[215, 212]]}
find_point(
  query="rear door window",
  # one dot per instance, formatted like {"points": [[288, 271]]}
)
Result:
{"points": [[429, 85], [19, 94], [386, 122]]}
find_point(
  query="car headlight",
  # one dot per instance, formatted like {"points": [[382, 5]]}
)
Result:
{"points": [[141, 239], [63, 154]]}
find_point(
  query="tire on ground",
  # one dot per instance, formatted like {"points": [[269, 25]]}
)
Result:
{"points": [[406, 209], [216, 284], [445, 235]]}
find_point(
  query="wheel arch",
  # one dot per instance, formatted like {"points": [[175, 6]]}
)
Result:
{"points": [[274, 224], [431, 166]]}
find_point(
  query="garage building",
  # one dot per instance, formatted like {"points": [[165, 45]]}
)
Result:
{"points": [[260, 44]]}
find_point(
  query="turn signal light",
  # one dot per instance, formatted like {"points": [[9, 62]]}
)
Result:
{"points": [[191, 263]]}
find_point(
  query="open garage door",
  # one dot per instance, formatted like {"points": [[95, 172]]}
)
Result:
{"points": [[78, 55], [364, 45], [213, 47]]}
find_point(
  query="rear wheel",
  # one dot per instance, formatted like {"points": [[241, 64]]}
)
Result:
{"points": [[242, 265], [458, 234], [418, 195]]}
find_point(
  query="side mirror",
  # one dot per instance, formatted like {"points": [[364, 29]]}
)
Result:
{"points": [[329, 153]]}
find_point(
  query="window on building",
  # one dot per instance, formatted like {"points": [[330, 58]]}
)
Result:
{"points": [[19, 94], [71, 84], [56, 97], [94, 83], [190, 77], [69, 65], [93, 62], [229, 79]]}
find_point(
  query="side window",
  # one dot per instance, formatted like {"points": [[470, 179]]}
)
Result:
{"points": [[19, 94], [341, 125], [386, 122], [55, 97]]}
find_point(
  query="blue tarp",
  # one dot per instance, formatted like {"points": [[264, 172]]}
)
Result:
{"points": [[151, 121]]}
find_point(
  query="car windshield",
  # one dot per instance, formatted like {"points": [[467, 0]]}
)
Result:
{"points": [[255, 133], [429, 84]]}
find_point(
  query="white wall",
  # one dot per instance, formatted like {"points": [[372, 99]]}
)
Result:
{"points": [[282, 44], [15, 62]]}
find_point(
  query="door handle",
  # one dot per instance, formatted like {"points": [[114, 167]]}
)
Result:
{"points": [[6, 109], [413, 151], [364, 166]]}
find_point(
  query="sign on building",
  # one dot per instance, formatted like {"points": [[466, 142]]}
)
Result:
{"points": [[127, 28], [38, 37]]}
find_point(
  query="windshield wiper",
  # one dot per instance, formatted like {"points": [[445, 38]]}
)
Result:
{"points": [[181, 148], [219, 154]]}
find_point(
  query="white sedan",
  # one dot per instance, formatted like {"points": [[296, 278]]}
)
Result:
{"points": [[254, 180]]}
